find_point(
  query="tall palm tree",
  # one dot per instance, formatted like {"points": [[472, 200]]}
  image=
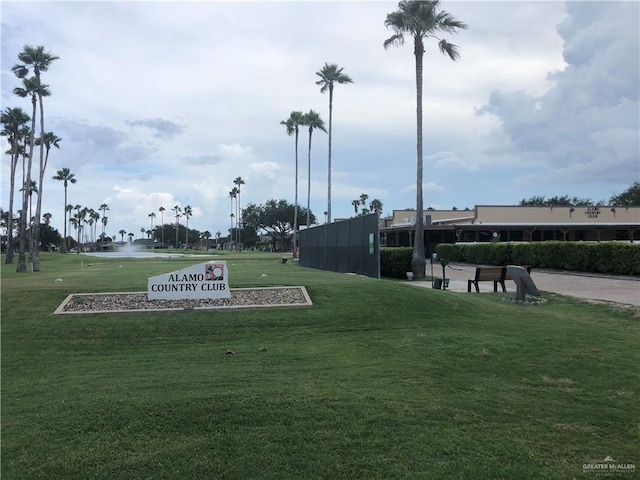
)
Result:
{"points": [[13, 121], [161, 210], [233, 194], [30, 87], [363, 201], [292, 125], [152, 215], [421, 20], [330, 75], [122, 234], [36, 60], [177, 210], [238, 182], [313, 121], [48, 139], [187, 212], [65, 175]]}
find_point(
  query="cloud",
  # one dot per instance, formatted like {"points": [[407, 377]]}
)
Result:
{"points": [[163, 129], [586, 127]]}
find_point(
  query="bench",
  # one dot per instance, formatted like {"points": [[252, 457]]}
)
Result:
{"points": [[497, 275]]}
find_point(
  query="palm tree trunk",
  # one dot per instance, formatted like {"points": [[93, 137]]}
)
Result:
{"points": [[65, 248], [295, 208], [21, 266], [309, 178], [43, 165], [12, 187], [418, 261], [329, 159]]}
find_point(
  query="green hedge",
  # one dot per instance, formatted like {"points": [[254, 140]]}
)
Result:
{"points": [[605, 257], [395, 262]]}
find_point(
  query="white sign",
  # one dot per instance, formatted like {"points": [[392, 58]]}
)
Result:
{"points": [[201, 281]]}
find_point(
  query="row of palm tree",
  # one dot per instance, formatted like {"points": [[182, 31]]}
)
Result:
{"points": [[33, 62], [296, 120], [237, 216], [375, 206]]}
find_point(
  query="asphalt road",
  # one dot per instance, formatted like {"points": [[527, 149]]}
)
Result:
{"points": [[625, 290]]}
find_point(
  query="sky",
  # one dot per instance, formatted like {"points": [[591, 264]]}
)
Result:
{"points": [[166, 103]]}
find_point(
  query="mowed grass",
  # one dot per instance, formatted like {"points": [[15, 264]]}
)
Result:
{"points": [[376, 380]]}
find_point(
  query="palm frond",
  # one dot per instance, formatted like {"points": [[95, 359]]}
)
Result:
{"points": [[453, 51]]}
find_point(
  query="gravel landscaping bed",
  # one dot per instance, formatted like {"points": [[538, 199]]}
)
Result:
{"points": [[137, 301]]}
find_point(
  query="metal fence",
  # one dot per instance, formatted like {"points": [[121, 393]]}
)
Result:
{"points": [[346, 246]]}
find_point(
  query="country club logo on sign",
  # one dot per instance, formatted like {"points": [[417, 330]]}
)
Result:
{"points": [[201, 281]]}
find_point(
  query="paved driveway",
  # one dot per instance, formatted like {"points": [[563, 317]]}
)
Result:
{"points": [[614, 289]]}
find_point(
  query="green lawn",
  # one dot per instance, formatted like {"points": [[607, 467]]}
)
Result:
{"points": [[377, 380]]}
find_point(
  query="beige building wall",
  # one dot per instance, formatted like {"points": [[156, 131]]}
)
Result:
{"points": [[564, 215]]}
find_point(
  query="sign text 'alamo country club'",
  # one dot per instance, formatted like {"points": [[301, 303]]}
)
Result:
{"points": [[201, 281]]}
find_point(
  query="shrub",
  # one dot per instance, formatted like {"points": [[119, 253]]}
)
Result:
{"points": [[614, 258], [395, 262]]}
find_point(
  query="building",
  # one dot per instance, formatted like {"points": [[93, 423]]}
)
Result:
{"points": [[514, 223]]}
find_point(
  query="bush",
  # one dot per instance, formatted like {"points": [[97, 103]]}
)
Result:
{"points": [[395, 262], [604, 257]]}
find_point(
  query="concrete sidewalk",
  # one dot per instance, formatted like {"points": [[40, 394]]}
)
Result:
{"points": [[625, 290]]}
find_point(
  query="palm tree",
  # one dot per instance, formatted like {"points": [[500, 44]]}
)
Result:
{"points": [[421, 20], [363, 201], [122, 234], [356, 204], [95, 216], [330, 75], [13, 121], [36, 59], [152, 215], [293, 127], [218, 235], [48, 139], [104, 207], [46, 218], [313, 121], [187, 212], [232, 194], [161, 210], [65, 175], [376, 206], [177, 210], [238, 182], [30, 87]]}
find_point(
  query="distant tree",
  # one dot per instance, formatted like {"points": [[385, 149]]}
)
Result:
{"points": [[421, 20], [46, 218], [49, 236], [275, 218], [312, 121], [177, 210], [292, 125], [131, 235], [375, 206], [556, 201], [161, 210], [122, 234], [355, 203], [330, 75], [64, 175], [187, 212], [238, 182], [629, 198]]}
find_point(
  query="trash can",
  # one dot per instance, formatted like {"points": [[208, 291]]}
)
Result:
{"points": [[437, 283]]}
